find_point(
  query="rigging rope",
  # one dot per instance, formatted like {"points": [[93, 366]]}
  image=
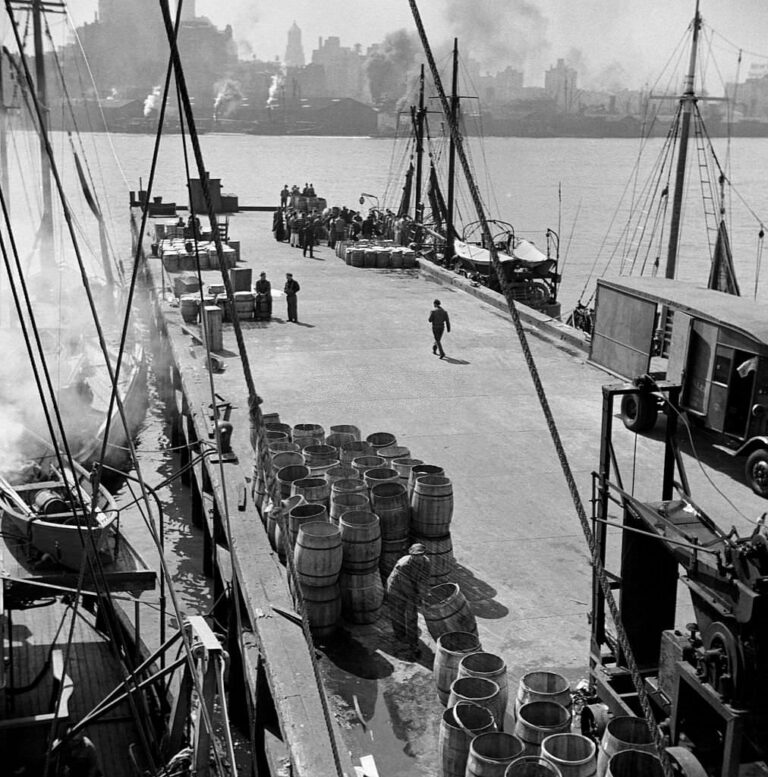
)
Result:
{"points": [[605, 585]]}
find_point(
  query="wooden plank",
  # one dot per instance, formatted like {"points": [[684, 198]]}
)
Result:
{"points": [[288, 662]]}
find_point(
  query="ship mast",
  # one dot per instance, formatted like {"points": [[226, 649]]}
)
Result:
{"points": [[454, 118], [3, 134], [418, 122], [687, 101]]}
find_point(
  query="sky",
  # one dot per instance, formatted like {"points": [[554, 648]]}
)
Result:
{"points": [[633, 38]]}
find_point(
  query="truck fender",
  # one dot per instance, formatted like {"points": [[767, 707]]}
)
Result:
{"points": [[750, 445]]}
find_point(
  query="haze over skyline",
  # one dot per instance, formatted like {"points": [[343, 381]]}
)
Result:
{"points": [[624, 40]]}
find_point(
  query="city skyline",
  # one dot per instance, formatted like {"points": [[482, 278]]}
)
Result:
{"points": [[625, 40]]}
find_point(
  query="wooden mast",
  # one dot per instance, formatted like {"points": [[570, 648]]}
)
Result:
{"points": [[42, 100], [687, 101], [454, 118], [419, 125], [3, 135]]}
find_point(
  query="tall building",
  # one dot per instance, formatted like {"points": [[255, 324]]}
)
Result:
{"points": [[343, 68], [560, 86], [294, 51]]}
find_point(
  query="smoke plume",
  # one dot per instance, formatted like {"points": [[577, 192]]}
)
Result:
{"points": [[500, 33], [389, 64], [228, 97], [152, 101]]}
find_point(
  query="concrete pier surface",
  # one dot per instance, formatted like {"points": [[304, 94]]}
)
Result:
{"points": [[361, 354]]}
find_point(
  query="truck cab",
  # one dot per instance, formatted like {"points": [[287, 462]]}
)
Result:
{"points": [[715, 345]]}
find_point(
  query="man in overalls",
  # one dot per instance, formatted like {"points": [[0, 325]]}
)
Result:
{"points": [[407, 585]]}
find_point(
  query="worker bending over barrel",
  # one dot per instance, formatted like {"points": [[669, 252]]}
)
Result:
{"points": [[407, 585]]}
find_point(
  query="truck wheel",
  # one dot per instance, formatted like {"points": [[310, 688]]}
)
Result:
{"points": [[756, 471], [639, 412]]}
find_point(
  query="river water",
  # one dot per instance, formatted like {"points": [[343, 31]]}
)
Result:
{"points": [[570, 185]]}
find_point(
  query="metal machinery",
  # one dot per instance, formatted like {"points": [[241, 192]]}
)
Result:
{"points": [[708, 688]]}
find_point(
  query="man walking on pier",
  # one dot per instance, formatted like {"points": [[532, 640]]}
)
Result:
{"points": [[291, 289], [407, 584], [440, 323]]}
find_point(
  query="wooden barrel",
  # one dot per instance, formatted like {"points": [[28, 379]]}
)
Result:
{"points": [[348, 501], [357, 257], [458, 726], [390, 503], [446, 609], [382, 258], [317, 555], [276, 426], [391, 552], [349, 430], [351, 449], [301, 514], [631, 763], [315, 490], [369, 257], [320, 454], [396, 259], [372, 477], [573, 754], [391, 452], [477, 690], [347, 486], [337, 440], [286, 459], [189, 306], [491, 753], [363, 463], [537, 720], [542, 685], [276, 437], [420, 470], [340, 472], [623, 732], [361, 541], [451, 648], [490, 667], [381, 440], [442, 563], [322, 607], [432, 506], [286, 475], [362, 597], [404, 467], [308, 434], [320, 470], [282, 447], [532, 766]]}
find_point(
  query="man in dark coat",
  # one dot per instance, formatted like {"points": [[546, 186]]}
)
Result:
{"points": [[440, 323], [290, 290], [263, 297], [308, 238], [407, 585]]}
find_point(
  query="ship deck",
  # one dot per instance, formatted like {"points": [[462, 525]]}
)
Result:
{"points": [[361, 355], [94, 672]]}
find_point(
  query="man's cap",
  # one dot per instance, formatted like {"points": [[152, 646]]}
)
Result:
{"points": [[437, 302], [289, 275], [263, 275], [417, 549]]}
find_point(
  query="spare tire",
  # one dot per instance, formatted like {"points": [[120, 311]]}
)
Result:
{"points": [[639, 412]]}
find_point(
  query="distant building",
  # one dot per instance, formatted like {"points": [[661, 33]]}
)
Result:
{"points": [[294, 51], [127, 50], [343, 68], [560, 85]]}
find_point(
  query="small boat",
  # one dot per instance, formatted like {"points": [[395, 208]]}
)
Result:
{"points": [[52, 507]]}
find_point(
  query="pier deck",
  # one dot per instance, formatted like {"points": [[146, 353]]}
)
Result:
{"points": [[361, 355]]}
